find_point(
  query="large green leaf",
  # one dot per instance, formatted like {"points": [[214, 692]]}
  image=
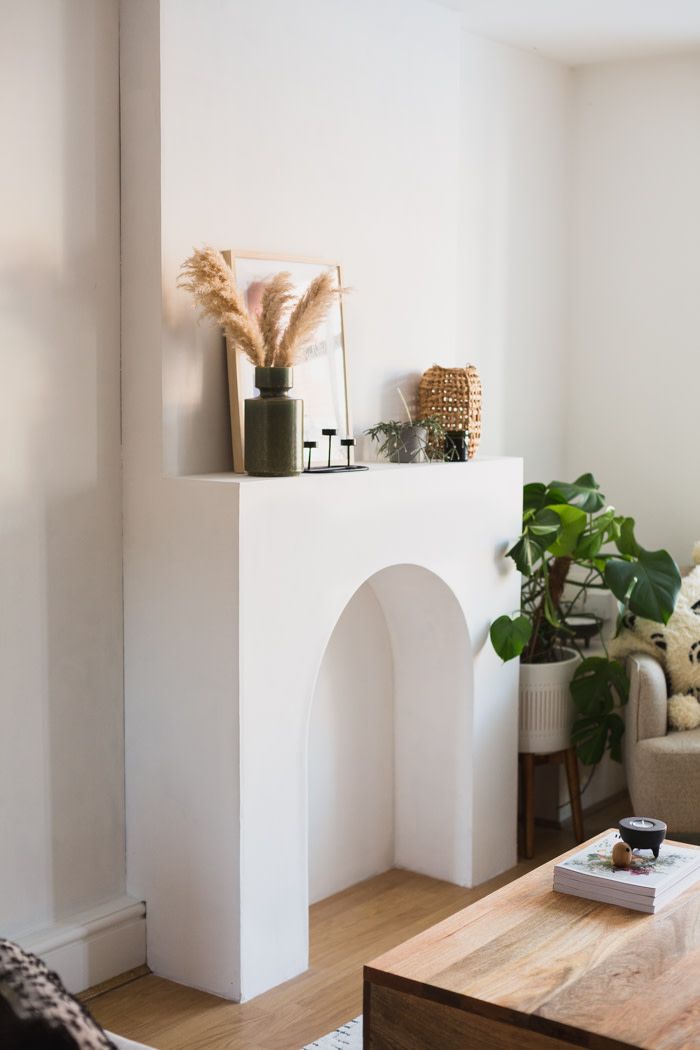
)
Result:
{"points": [[583, 493], [534, 496], [598, 532], [572, 523], [599, 687], [649, 584], [616, 731], [526, 554], [510, 635], [544, 523], [626, 542], [606, 522], [591, 736], [588, 546]]}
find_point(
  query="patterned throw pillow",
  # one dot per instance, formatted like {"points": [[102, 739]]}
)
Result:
{"points": [[36, 1011], [676, 646]]}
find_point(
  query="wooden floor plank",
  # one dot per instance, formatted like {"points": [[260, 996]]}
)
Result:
{"points": [[346, 931]]}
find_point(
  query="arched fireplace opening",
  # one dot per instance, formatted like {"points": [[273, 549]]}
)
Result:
{"points": [[390, 731]]}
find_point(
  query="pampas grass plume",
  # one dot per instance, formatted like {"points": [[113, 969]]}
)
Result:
{"points": [[206, 275], [306, 316], [276, 298]]}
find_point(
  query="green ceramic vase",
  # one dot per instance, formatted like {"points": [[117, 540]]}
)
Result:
{"points": [[274, 426]]}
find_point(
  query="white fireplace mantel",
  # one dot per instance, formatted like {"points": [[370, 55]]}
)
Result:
{"points": [[233, 586]]}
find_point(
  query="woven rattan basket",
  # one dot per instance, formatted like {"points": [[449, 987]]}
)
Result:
{"points": [[454, 396]]}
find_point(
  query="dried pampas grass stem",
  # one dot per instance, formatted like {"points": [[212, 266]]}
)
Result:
{"points": [[306, 316], [206, 275], [278, 295], [209, 279], [244, 333]]}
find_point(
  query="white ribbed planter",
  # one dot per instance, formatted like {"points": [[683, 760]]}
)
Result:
{"points": [[546, 708]]}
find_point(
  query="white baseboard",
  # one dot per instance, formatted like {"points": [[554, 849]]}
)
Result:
{"points": [[93, 946]]}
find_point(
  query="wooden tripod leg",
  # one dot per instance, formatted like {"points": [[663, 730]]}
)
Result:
{"points": [[529, 804], [574, 792]]}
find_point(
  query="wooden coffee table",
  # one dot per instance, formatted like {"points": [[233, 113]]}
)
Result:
{"points": [[530, 968]]}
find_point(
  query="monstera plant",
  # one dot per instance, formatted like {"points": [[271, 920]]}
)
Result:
{"points": [[572, 543]]}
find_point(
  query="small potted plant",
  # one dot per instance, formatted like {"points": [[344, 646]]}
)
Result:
{"points": [[409, 441], [572, 543]]}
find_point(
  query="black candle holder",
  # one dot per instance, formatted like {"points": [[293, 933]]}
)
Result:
{"points": [[330, 433], [310, 445], [582, 626], [643, 833], [456, 446], [333, 468], [347, 444]]}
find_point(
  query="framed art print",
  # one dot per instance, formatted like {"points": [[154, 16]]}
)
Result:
{"points": [[320, 374]]}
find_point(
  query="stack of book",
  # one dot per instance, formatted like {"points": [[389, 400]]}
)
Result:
{"points": [[647, 885]]}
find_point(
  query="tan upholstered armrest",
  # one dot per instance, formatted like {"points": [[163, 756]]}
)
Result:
{"points": [[647, 706]]}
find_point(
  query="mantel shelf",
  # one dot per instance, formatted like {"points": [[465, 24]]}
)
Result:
{"points": [[229, 478]]}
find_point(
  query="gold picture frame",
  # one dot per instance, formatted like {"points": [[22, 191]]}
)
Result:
{"points": [[321, 376]]}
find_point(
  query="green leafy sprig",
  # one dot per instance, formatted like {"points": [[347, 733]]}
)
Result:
{"points": [[390, 437]]}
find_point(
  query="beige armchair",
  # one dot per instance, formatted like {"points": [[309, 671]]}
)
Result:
{"points": [[663, 768]]}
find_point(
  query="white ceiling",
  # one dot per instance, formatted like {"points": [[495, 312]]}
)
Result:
{"points": [[581, 31]]}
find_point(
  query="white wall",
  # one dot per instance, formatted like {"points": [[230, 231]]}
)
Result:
{"points": [[326, 128], [632, 381], [514, 247], [455, 222], [332, 147], [62, 772], [357, 158], [442, 194], [351, 753]]}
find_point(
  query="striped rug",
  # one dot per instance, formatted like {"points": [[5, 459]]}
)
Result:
{"points": [[347, 1037]]}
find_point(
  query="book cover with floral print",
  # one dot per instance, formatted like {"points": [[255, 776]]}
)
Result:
{"points": [[645, 874]]}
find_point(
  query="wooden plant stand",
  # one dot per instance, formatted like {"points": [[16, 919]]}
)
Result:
{"points": [[527, 763]]}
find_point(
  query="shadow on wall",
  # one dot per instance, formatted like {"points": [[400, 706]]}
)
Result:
{"points": [[351, 752], [61, 490], [391, 406], [196, 417]]}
